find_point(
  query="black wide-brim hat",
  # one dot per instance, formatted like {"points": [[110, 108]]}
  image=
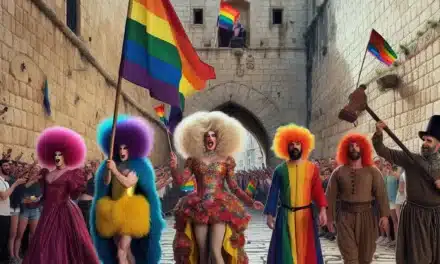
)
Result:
{"points": [[433, 128]]}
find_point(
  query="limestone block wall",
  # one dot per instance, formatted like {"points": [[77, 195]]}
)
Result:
{"points": [[407, 23], [82, 91], [268, 83], [268, 78], [258, 24]]}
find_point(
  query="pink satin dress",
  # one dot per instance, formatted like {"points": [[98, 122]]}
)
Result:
{"points": [[61, 236]]}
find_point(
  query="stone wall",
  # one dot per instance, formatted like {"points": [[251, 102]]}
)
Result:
{"points": [[268, 78], [36, 45], [268, 83], [411, 24], [258, 24]]}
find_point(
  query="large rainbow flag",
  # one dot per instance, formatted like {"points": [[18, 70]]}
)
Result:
{"points": [[158, 55], [228, 16], [380, 48]]}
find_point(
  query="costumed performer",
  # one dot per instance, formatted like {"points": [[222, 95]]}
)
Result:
{"points": [[126, 216], [207, 140], [296, 184], [419, 227], [356, 183], [61, 235]]}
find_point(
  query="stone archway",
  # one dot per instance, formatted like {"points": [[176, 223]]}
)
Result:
{"points": [[257, 112], [250, 122]]}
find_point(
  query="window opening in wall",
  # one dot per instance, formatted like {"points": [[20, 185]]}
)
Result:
{"points": [[72, 15], [277, 16], [198, 16]]}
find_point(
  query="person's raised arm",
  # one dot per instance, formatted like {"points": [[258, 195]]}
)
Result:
{"points": [[180, 178], [4, 195], [397, 157]]}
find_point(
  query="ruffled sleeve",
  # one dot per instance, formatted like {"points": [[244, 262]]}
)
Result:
{"points": [[77, 183], [232, 183]]}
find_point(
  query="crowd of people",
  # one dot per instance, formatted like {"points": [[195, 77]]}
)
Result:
{"points": [[21, 200], [356, 197]]}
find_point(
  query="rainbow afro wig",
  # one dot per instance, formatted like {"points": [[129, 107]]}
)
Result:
{"points": [[134, 132], [292, 133], [64, 140], [365, 147]]}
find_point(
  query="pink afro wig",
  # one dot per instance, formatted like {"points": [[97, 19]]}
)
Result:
{"points": [[62, 139]]}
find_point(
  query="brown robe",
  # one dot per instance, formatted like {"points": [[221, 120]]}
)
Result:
{"points": [[418, 239], [355, 222]]}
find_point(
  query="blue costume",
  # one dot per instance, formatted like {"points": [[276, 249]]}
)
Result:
{"points": [[137, 212]]}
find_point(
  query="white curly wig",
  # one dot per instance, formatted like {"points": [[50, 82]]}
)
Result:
{"points": [[190, 132]]}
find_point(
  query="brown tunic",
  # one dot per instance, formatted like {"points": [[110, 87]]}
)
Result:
{"points": [[355, 223], [419, 227]]}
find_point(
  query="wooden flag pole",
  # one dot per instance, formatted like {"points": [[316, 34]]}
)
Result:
{"points": [[115, 119], [169, 140], [216, 36], [362, 65], [108, 177], [360, 71]]}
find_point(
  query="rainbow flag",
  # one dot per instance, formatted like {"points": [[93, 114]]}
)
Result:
{"points": [[158, 55], [188, 186], [380, 48], [160, 112], [251, 188], [228, 16]]}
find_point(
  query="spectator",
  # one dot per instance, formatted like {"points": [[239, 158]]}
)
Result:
{"points": [[401, 194], [6, 190], [30, 207]]}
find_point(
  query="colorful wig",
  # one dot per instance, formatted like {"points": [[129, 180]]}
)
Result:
{"points": [[133, 132], [62, 139], [364, 145], [190, 132], [292, 133]]}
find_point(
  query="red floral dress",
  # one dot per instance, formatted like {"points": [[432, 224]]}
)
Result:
{"points": [[211, 203]]}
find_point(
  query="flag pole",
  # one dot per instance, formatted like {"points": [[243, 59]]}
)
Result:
{"points": [[108, 177], [362, 66], [169, 140]]}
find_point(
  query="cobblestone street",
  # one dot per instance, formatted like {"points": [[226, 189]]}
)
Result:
{"points": [[258, 237]]}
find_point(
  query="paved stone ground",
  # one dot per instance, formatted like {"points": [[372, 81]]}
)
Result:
{"points": [[258, 237]]}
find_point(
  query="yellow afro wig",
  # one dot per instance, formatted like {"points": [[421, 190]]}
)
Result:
{"points": [[292, 133]]}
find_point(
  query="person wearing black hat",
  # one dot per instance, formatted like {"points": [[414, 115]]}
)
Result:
{"points": [[419, 235]]}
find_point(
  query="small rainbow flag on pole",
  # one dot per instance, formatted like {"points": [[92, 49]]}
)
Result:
{"points": [[160, 112], [188, 186], [228, 16], [251, 188], [158, 55], [380, 48]]}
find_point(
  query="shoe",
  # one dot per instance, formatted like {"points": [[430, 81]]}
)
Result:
{"points": [[384, 242], [331, 237], [392, 244], [380, 239]]}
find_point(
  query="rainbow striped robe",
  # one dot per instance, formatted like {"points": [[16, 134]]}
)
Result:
{"points": [[295, 237]]}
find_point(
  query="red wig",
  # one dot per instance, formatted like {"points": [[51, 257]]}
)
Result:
{"points": [[364, 145], [292, 133]]}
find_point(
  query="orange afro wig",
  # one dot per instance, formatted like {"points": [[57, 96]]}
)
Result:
{"points": [[292, 133], [364, 145]]}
